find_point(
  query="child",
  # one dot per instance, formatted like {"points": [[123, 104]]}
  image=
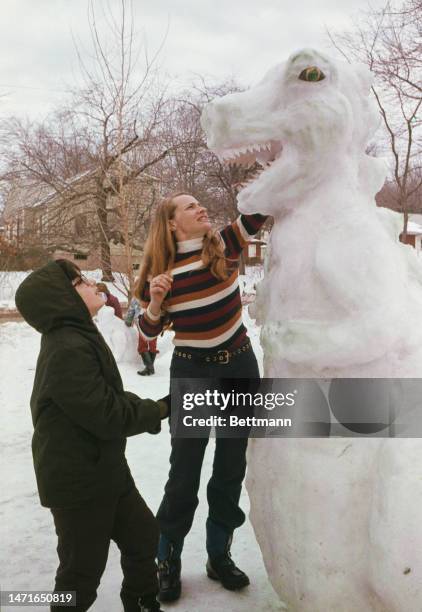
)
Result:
{"points": [[147, 349], [81, 416]]}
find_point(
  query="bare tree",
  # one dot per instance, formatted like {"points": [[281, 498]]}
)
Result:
{"points": [[123, 101], [389, 42], [98, 148]]}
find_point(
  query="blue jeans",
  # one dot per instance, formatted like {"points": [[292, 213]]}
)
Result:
{"points": [[176, 512]]}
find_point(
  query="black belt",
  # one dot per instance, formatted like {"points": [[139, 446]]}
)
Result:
{"points": [[223, 356]]}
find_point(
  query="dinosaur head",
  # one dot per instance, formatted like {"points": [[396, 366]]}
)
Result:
{"points": [[305, 116]]}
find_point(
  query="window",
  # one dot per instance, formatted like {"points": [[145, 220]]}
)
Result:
{"points": [[80, 256], [81, 225], [39, 225], [135, 266], [252, 250]]}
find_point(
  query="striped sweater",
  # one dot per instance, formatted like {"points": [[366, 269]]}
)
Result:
{"points": [[205, 312]]}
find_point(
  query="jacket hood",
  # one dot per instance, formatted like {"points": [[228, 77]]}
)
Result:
{"points": [[47, 300]]}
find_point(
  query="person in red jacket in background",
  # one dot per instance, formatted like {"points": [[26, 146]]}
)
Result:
{"points": [[148, 352], [111, 300], [147, 349]]}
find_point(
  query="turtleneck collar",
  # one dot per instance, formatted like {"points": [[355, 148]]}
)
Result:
{"points": [[186, 246]]}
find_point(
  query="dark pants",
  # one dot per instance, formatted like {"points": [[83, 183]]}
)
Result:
{"points": [[84, 536], [177, 509]]}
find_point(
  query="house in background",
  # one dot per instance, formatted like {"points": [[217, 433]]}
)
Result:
{"points": [[254, 251], [2, 227], [414, 233], [17, 214], [66, 222]]}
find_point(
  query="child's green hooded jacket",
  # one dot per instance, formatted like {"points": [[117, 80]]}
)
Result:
{"points": [[80, 412]]}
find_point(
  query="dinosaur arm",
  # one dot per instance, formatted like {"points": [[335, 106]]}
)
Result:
{"points": [[358, 281]]}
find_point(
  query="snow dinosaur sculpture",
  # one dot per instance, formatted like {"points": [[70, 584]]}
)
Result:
{"points": [[337, 519]]}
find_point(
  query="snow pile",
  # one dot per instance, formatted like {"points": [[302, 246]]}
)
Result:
{"points": [[249, 281], [337, 519], [122, 340], [9, 282], [336, 274]]}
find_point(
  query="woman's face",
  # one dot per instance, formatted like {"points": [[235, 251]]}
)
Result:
{"points": [[190, 219]]}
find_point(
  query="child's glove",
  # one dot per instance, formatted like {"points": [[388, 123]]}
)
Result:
{"points": [[165, 406]]}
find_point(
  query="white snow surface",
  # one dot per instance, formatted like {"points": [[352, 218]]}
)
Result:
{"points": [[337, 520], [28, 555]]}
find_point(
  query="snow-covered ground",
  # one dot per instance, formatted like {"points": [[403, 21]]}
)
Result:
{"points": [[9, 282], [28, 557]]}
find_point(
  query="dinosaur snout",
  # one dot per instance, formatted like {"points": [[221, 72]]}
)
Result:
{"points": [[214, 123]]}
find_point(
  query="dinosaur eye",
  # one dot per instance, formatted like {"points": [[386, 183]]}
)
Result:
{"points": [[312, 73]]}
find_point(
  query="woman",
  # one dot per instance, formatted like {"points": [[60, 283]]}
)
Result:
{"points": [[190, 280], [81, 416]]}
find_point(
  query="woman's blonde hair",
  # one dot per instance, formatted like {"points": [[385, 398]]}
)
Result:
{"points": [[160, 247]]}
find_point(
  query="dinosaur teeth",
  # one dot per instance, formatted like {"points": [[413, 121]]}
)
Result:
{"points": [[263, 153]]}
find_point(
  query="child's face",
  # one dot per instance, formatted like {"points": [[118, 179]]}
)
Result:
{"points": [[88, 291]]}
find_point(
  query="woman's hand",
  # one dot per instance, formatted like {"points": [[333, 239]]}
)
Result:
{"points": [[158, 288]]}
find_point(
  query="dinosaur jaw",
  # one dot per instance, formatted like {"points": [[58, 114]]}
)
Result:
{"points": [[264, 154]]}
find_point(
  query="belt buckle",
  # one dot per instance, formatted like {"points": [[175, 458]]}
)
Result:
{"points": [[226, 357]]}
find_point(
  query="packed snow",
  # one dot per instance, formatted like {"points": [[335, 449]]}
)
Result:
{"points": [[337, 520], [336, 273], [28, 558]]}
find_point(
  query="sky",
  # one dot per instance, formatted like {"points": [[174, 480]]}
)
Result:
{"points": [[213, 38]]}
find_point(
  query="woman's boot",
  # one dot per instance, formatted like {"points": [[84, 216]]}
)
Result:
{"points": [[220, 565], [149, 368]]}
